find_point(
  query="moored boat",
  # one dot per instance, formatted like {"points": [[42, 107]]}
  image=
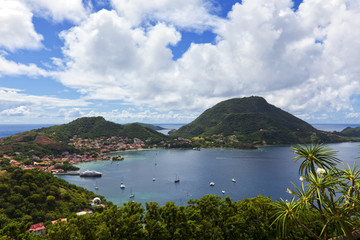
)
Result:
{"points": [[89, 173], [177, 180], [212, 184]]}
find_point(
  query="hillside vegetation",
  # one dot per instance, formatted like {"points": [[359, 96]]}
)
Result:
{"points": [[54, 139], [351, 132], [93, 127], [33, 196], [254, 121]]}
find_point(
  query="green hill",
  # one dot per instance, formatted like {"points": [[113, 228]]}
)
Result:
{"points": [[351, 132], [93, 127], [54, 139], [255, 121]]}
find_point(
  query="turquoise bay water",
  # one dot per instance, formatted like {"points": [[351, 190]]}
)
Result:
{"points": [[267, 171]]}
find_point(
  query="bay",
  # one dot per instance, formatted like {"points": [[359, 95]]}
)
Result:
{"points": [[267, 171]]}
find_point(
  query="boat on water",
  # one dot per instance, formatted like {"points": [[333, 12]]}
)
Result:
{"points": [[233, 180], [89, 173], [154, 179], [122, 186], [132, 195], [212, 184], [96, 188], [177, 180], [117, 158], [223, 191]]}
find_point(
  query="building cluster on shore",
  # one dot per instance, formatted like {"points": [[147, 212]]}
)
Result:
{"points": [[96, 149], [106, 144]]}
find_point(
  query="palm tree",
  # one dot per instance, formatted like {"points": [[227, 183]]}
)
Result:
{"points": [[332, 192], [315, 155]]}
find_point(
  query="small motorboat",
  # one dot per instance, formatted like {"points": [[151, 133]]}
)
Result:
{"points": [[122, 186], [233, 180], [223, 191], [212, 184], [154, 179]]}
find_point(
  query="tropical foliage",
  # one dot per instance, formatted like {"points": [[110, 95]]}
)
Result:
{"points": [[331, 192], [32, 196]]}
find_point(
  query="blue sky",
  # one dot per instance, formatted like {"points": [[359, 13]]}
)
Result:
{"points": [[167, 61]]}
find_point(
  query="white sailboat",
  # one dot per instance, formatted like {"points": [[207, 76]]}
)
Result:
{"points": [[132, 195]]}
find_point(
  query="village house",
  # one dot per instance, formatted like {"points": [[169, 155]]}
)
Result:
{"points": [[38, 229], [61, 220]]}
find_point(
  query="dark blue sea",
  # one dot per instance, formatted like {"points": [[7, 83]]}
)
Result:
{"points": [[11, 129], [267, 171]]}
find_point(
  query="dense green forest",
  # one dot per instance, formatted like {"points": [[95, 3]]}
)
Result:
{"points": [[255, 122], [32, 196], [93, 127]]}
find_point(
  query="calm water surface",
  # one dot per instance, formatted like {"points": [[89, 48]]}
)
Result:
{"points": [[267, 171]]}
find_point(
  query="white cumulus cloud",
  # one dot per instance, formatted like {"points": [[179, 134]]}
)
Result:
{"points": [[16, 27], [17, 111], [190, 14], [303, 61], [58, 11], [13, 68]]}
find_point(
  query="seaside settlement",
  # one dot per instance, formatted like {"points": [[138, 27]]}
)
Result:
{"points": [[99, 149]]}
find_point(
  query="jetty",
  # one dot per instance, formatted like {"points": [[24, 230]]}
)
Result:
{"points": [[66, 173]]}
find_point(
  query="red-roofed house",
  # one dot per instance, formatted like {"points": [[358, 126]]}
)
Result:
{"points": [[38, 228], [62, 220]]}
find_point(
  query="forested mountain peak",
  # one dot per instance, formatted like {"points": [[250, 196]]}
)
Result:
{"points": [[255, 121]]}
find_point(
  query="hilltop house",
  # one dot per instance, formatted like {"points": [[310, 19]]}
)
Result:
{"points": [[38, 229]]}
